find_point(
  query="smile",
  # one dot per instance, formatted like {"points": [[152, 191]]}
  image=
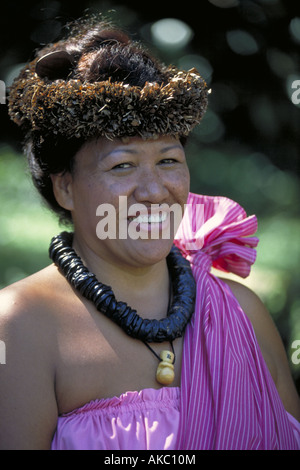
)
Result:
{"points": [[150, 218]]}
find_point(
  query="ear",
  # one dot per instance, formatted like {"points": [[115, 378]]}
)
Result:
{"points": [[63, 189]]}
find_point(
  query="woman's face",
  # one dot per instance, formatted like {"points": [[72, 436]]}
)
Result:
{"points": [[108, 181]]}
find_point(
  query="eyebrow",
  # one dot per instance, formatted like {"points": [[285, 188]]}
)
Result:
{"points": [[119, 150], [171, 147], [130, 151]]}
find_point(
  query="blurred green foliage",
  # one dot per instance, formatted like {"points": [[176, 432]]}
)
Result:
{"points": [[26, 226]]}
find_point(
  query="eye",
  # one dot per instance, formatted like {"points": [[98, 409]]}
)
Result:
{"points": [[122, 166], [168, 161]]}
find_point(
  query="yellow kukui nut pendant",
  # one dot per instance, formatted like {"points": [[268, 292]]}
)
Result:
{"points": [[165, 371]]}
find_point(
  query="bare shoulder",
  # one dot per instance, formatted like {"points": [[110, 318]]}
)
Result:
{"points": [[26, 305], [27, 394], [270, 344]]}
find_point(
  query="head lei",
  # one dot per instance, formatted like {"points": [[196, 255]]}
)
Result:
{"points": [[50, 104]]}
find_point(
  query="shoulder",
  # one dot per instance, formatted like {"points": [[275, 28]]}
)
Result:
{"points": [[270, 344], [27, 303], [29, 314], [27, 385], [265, 330]]}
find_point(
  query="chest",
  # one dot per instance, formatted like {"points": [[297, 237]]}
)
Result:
{"points": [[96, 359]]}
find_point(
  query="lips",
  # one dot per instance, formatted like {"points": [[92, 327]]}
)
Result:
{"points": [[158, 221], [149, 218]]}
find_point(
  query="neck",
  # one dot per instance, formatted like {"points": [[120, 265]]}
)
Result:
{"points": [[167, 329], [130, 284]]}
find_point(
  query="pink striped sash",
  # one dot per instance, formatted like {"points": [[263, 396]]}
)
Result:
{"points": [[228, 398]]}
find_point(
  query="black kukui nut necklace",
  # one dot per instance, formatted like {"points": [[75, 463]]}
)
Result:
{"points": [[102, 296]]}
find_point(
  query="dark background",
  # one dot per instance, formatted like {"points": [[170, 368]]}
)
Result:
{"points": [[247, 147]]}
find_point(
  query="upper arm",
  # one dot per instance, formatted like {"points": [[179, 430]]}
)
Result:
{"points": [[27, 398], [270, 344]]}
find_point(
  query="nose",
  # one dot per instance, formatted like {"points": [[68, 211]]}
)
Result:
{"points": [[151, 187]]}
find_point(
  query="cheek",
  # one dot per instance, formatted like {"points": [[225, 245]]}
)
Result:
{"points": [[181, 185], [86, 200], [92, 193]]}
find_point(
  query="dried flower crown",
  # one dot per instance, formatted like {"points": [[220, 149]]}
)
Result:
{"points": [[74, 108]]}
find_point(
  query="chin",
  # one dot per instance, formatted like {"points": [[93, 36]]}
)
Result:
{"points": [[148, 252]]}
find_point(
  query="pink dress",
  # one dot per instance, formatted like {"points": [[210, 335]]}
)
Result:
{"points": [[227, 398]]}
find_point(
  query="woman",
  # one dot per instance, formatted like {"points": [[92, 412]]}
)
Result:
{"points": [[105, 127]]}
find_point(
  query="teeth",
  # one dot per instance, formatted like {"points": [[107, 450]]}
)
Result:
{"points": [[150, 219]]}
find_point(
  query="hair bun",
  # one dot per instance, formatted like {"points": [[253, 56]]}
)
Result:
{"points": [[97, 37], [54, 65]]}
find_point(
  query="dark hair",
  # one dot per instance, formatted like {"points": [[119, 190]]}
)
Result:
{"points": [[94, 53]]}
